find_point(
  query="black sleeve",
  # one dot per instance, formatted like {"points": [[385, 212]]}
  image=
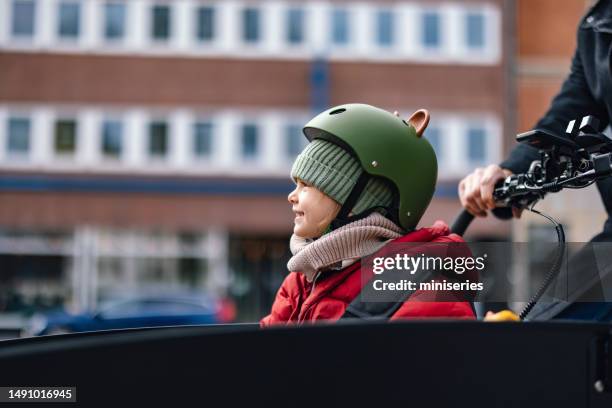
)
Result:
{"points": [[573, 102]]}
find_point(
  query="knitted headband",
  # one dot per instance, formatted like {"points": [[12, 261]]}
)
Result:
{"points": [[334, 171]]}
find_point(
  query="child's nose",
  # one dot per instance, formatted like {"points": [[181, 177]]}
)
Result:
{"points": [[292, 197]]}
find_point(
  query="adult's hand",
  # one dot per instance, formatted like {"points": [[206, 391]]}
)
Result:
{"points": [[476, 190]]}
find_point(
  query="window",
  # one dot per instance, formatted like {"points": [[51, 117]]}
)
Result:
{"points": [[474, 26], [65, 136], [160, 29], [68, 19], [249, 141], [295, 26], [431, 29], [158, 139], [114, 23], [18, 141], [202, 139], [23, 18], [476, 144], [250, 24], [340, 27], [296, 141], [112, 138], [384, 27], [205, 23], [433, 135]]}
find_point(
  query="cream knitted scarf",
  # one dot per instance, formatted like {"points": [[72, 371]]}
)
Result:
{"points": [[341, 247]]}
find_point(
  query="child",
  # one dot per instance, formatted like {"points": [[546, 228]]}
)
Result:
{"points": [[365, 179]]}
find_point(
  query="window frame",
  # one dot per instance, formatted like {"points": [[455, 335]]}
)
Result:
{"points": [[437, 131], [194, 139], [289, 136], [105, 18], [244, 25], [56, 123], [11, 23], [152, 35], [198, 19], [468, 135], [346, 13], [380, 11], [151, 155], [111, 157], [18, 154], [473, 12], [425, 13], [257, 149], [294, 11], [78, 34]]}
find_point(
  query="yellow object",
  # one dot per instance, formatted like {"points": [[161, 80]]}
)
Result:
{"points": [[503, 316]]}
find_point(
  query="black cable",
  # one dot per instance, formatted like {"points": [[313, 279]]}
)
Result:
{"points": [[554, 270], [582, 186]]}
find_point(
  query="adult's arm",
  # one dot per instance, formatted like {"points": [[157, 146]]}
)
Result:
{"points": [[574, 101]]}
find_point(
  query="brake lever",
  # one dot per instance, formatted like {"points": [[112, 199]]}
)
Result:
{"points": [[499, 193]]}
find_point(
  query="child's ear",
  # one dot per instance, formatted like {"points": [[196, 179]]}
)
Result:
{"points": [[420, 120]]}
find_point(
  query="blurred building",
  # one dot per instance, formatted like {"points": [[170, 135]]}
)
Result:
{"points": [[149, 142]]}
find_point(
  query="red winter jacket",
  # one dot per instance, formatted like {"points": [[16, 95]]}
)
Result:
{"points": [[334, 291]]}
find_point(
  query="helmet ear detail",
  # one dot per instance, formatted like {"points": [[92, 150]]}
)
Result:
{"points": [[419, 120]]}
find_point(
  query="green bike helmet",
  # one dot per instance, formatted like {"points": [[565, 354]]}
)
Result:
{"points": [[385, 146]]}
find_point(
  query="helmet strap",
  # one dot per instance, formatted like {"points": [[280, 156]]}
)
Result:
{"points": [[343, 218], [393, 211], [343, 215]]}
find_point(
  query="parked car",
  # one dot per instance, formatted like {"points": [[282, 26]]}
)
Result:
{"points": [[144, 311]]}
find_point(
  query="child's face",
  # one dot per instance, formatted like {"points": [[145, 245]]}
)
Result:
{"points": [[314, 210]]}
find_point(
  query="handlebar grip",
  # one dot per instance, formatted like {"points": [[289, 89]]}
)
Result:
{"points": [[503, 213], [464, 219], [462, 222]]}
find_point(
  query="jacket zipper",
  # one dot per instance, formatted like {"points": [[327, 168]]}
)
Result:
{"points": [[314, 282]]}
